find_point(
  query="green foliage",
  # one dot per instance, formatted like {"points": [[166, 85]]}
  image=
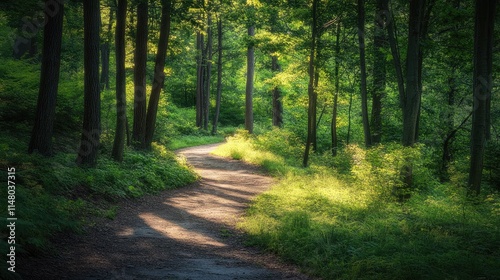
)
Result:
{"points": [[338, 218]]}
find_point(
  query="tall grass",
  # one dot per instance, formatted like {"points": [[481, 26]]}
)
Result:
{"points": [[339, 219]]}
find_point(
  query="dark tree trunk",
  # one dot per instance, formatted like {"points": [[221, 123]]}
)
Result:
{"points": [[87, 154], [362, 62], [413, 95], [482, 89], [199, 80], [379, 72], [424, 27], [121, 97], [105, 54], [249, 85], [41, 136], [336, 94], [311, 112], [450, 137], [395, 53], [219, 76], [277, 104], [208, 73], [141, 52], [159, 76], [105, 66]]}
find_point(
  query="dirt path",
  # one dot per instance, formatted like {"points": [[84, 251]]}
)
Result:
{"points": [[187, 233]]}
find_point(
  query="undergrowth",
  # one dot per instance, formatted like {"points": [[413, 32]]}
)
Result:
{"points": [[339, 218]]}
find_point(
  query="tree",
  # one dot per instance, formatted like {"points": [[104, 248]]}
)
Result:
{"points": [[121, 97], [159, 76], [311, 112], [199, 78], [219, 75], [208, 72], [250, 77], [105, 53], [41, 136], [362, 62], [140, 59], [379, 71], [90, 139], [482, 89], [277, 104], [337, 91], [410, 94]]}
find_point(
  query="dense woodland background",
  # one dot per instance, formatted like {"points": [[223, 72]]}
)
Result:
{"points": [[380, 118]]}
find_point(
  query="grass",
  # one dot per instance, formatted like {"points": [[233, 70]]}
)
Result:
{"points": [[185, 141], [338, 219]]}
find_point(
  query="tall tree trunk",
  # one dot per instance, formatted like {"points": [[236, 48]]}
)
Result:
{"points": [[482, 89], [413, 94], [140, 57], [424, 27], [41, 136], [199, 80], [379, 72], [450, 125], [87, 154], [121, 97], [396, 58], [249, 85], [311, 112], [159, 76], [219, 76], [208, 73], [336, 94], [277, 104], [362, 62], [105, 53]]}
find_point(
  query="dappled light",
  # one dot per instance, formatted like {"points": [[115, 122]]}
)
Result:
{"points": [[251, 139]]}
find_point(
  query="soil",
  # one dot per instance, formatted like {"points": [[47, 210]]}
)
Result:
{"points": [[187, 233]]}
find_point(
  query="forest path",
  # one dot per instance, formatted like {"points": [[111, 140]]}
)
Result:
{"points": [[187, 233]]}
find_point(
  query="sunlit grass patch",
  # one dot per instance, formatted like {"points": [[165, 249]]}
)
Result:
{"points": [[338, 219], [240, 147]]}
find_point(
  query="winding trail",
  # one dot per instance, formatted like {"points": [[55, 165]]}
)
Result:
{"points": [[187, 233]]}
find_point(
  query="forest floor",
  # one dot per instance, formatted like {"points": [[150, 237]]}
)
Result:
{"points": [[187, 233]]}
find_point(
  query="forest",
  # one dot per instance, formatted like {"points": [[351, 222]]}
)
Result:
{"points": [[378, 119]]}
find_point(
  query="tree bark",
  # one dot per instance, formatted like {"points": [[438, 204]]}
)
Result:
{"points": [[379, 71], [41, 136], [121, 97], [199, 80], [105, 54], [159, 76], [482, 86], [413, 94], [249, 85], [362, 62], [219, 76], [141, 52], [396, 58], [277, 104], [90, 139], [208, 73], [336, 94], [311, 112]]}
